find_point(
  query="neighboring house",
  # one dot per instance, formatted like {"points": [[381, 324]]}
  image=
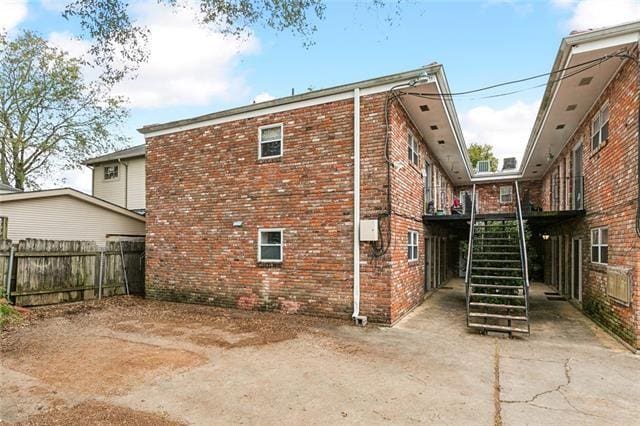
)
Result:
{"points": [[119, 177], [4, 188], [337, 202], [66, 214]]}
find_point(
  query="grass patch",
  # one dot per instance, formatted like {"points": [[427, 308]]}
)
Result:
{"points": [[8, 314]]}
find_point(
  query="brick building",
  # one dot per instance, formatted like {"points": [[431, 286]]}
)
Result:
{"points": [[338, 202]]}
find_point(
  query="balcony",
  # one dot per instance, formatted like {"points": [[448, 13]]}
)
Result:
{"points": [[562, 200]]}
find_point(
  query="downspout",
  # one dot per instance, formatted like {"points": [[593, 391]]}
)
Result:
{"points": [[359, 320], [126, 183]]}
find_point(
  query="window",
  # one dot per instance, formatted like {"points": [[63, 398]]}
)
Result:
{"points": [[412, 246], [110, 172], [506, 194], [600, 245], [413, 149], [600, 127], [270, 138], [270, 245]]}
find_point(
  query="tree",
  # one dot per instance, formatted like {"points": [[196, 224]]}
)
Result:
{"points": [[479, 152], [50, 117], [119, 46]]}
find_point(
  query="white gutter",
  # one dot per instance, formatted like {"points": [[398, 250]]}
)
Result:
{"points": [[356, 206]]}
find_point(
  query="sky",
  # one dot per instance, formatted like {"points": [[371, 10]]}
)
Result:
{"points": [[194, 70]]}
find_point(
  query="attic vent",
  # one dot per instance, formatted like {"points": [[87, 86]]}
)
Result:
{"points": [[572, 107], [424, 108], [434, 127], [560, 127], [585, 81], [619, 284], [440, 142], [484, 166]]}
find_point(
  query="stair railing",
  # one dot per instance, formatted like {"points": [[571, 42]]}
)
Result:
{"points": [[467, 274], [523, 252]]}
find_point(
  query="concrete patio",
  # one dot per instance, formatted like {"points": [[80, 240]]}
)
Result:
{"points": [[151, 362]]}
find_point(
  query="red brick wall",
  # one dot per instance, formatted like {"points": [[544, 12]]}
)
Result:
{"points": [[610, 179], [200, 181], [489, 195], [408, 195]]}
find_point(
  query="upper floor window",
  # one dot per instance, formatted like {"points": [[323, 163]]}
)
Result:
{"points": [[110, 172], [270, 141], [412, 245], [270, 245], [413, 150], [506, 194], [600, 245], [600, 127]]}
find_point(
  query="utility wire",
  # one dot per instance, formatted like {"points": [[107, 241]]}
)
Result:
{"points": [[395, 94]]}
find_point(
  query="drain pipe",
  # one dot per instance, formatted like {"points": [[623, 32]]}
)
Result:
{"points": [[359, 319]]}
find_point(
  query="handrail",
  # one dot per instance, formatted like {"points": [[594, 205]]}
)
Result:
{"points": [[523, 254], [470, 247], [523, 242]]}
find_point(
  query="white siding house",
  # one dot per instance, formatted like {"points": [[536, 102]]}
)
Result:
{"points": [[66, 214], [119, 177]]}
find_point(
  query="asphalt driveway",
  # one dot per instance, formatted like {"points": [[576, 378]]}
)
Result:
{"points": [[127, 360]]}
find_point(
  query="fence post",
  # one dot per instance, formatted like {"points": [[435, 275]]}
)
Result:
{"points": [[124, 270], [100, 273], [10, 272]]}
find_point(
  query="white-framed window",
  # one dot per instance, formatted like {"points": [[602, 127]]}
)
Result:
{"points": [[600, 127], [600, 245], [270, 244], [506, 194], [270, 141], [412, 149], [111, 172], [412, 246]]}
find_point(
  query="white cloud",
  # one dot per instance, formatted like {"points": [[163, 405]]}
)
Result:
{"points": [[12, 12], [507, 129], [591, 14], [263, 97], [189, 65], [79, 179]]}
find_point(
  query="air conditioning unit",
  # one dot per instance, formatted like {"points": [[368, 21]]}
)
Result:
{"points": [[484, 166]]}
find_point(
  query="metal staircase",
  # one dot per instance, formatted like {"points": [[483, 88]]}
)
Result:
{"points": [[496, 279]]}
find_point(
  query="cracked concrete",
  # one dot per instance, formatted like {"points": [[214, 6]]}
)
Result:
{"points": [[429, 368]]}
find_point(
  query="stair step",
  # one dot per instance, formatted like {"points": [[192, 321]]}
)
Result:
{"points": [[499, 296], [495, 277], [496, 305], [498, 316], [505, 287], [498, 327], [498, 245], [494, 260], [496, 268], [497, 252]]}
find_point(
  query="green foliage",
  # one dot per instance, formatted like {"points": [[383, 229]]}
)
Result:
{"points": [[479, 152], [51, 118], [8, 314]]}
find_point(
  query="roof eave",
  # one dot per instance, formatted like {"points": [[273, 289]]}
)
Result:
{"points": [[364, 84]]}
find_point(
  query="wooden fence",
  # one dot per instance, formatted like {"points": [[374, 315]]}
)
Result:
{"points": [[42, 272]]}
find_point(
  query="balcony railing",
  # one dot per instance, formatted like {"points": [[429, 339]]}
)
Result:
{"points": [[567, 193], [438, 200]]}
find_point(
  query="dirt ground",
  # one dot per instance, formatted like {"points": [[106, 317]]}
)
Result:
{"points": [[126, 360]]}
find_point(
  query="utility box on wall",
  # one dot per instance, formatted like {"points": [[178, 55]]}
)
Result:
{"points": [[369, 230]]}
